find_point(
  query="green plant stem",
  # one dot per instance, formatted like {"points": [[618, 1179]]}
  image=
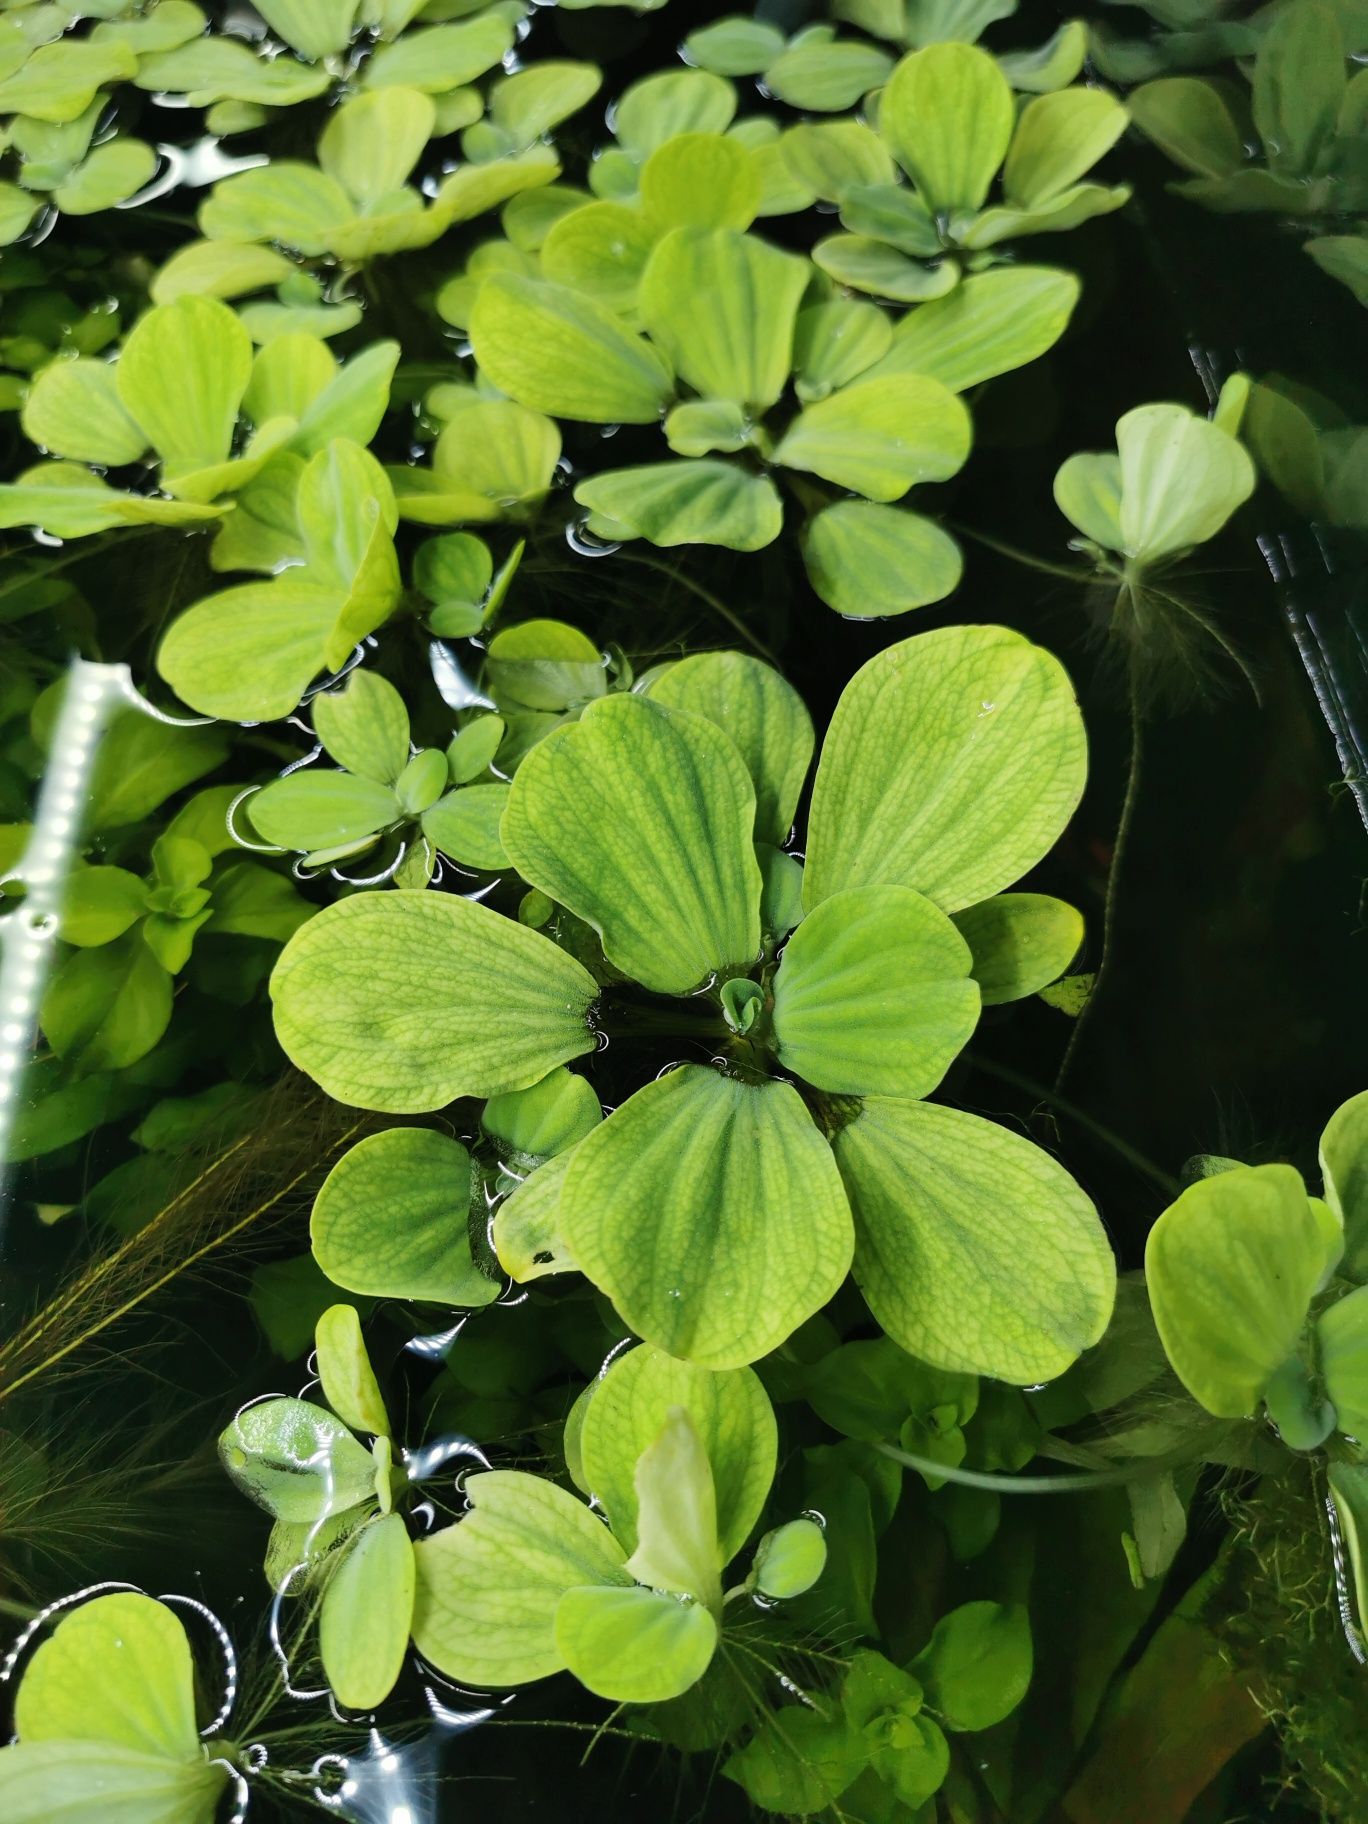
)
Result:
{"points": [[1071, 1111], [1036, 1485], [1018, 556], [1114, 872]]}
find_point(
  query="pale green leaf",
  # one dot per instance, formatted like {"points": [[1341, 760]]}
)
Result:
{"points": [[973, 1248], [294, 204], [115, 1670], [790, 1560], [867, 561], [181, 376], [99, 904], [372, 142], [947, 116], [764, 716], [737, 46], [404, 1001], [546, 1118], [700, 180], [677, 101], [315, 28], [874, 995], [1181, 479], [827, 77], [559, 352], [532, 101], [600, 249], [345, 1373], [722, 306], [97, 1783], [991, 323], [489, 1585], [363, 1622], [111, 174], [321, 809], [866, 264], [701, 425], [58, 82], [634, 1646], [1298, 86], [1087, 491], [640, 820], [106, 1008], [219, 269], [1021, 942], [880, 437], [698, 501], [466, 825], [364, 726], [1342, 1356], [390, 1220], [500, 451], [296, 1460], [730, 1411], [952, 763], [710, 1212], [1232, 1267], [442, 57], [677, 1547], [832, 157], [527, 1238], [1058, 138], [249, 654], [834, 343]]}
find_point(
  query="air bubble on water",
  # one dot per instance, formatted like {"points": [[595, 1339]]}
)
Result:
{"points": [[584, 544], [612, 1356], [817, 1518]]}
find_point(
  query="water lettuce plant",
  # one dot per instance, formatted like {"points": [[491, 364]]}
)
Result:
{"points": [[563, 1053], [729, 1167]]}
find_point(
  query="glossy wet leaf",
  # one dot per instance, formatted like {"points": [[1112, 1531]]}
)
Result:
{"points": [[866, 561], [1232, 1267], [390, 1220], [634, 1645], [296, 1460], [974, 1249], [1021, 942], [363, 1621], [488, 1586], [789, 1560], [952, 763], [748, 1228], [321, 809], [345, 1373], [991, 323], [879, 437], [947, 116], [545, 1119], [1344, 1166], [977, 1665], [693, 502], [873, 994], [764, 716], [560, 352], [115, 1670], [98, 1783], [730, 1411], [639, 819], [722, 306], [405, 1001]]}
